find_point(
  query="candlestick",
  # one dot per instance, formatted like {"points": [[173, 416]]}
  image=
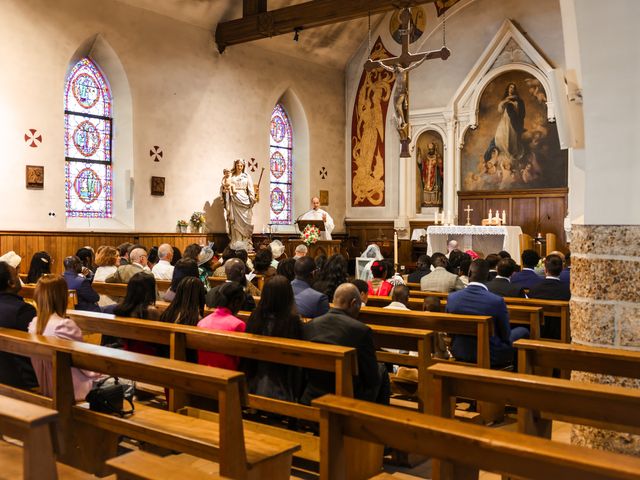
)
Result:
{"points": [[395, 250], [435, 218]]}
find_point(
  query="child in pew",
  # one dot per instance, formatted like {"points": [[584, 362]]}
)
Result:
{"points": [[275, 316], [227, 300], [51, 296]]}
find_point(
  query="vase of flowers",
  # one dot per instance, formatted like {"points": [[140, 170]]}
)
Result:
{"points": [[310, 234], [197, 222], [181, 226]]}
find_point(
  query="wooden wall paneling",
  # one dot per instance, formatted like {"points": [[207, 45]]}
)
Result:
{"points": [[524, 214], [478, 213], [552, 213], [498, 204]]}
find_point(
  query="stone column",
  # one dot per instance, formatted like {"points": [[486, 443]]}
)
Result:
{"points": [[605, 310]]}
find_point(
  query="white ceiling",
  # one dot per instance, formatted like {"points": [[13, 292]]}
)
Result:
{"points": [[332, 44]]}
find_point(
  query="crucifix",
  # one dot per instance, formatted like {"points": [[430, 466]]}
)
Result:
{"points": [[468, 210], [400, 66]]}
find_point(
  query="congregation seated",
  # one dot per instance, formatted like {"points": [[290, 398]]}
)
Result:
{"points": [[363, 288], [399, 298], [185, 267], [275, 316], [340, 326], [277, 251], [137, 263], [527, 276], [15, 370], [309, 302], [423, 267], [551, 288], [123, 251], [86, 256], [139, 302], [440, 280], [379, 285], [107, 260], [493, 259], [262, 264], [235, 271], [51, 296], [40, 265], [286, 268], [463, 270], [300, 251], [87, 296], [501, 284], [163, 270], [333, 274], [477, 300], [206, 259]]}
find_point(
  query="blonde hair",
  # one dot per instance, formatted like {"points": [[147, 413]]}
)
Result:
{"points": [[107, 256], [51, 296]]}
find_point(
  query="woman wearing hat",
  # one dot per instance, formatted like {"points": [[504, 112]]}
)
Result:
{"points": [[206, 259]]}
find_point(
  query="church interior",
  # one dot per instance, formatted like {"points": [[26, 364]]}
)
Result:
{"points": [[255, 160]]}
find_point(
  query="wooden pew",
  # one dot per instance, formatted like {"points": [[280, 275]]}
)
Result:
{"points": [[540, 357], [464, 448], [526, 315], [93, 436], [330, 358], [550, 308], [539, 399], [139, 465], [28, 290], [120, 289], [35, 427]]}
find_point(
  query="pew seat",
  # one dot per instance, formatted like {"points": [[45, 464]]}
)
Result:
{"points": [[140, 465]]}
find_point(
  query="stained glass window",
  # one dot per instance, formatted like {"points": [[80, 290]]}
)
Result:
{"points": [[88, 131], [281, 167]]}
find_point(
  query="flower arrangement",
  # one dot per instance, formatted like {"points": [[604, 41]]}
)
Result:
{"points": [[197, 219], [181, 226], [310, 234]]}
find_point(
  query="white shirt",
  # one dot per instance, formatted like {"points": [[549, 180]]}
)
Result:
{"points": [[317, 215], [504, 278], [163, 270], [103, 272], [479, 284], [396, 306]]}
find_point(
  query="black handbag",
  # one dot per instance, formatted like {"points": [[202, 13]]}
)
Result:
{"points": [[108, 396]]}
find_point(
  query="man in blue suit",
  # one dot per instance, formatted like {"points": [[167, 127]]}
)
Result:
{"points": [[527, 277], [87, 296], [477, 300], [309, 302]]}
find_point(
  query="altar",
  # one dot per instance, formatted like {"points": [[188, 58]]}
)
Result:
{"points": [[485, 239]]}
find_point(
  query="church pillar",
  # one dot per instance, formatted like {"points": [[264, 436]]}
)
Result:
{"points": [[602, 44], [401, 223]]}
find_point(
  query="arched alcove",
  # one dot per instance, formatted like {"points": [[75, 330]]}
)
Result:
{"points": [[102, 54]]}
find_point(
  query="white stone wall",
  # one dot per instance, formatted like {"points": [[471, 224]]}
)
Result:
{"points": [[203, 109]]}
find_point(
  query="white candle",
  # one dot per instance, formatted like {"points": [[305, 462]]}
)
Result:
{"points": [[435, 218], [504, 217], [395, 249]]}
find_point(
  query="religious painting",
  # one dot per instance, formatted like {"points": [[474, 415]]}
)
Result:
{"points": [[514, 146], [324, 198], [430, 168], [444, 5], [157, 186], [368, 133], [35, 177], [418, 24]]}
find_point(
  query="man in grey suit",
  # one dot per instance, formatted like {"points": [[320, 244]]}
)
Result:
{"points": [[309, 302], [440, 280]]}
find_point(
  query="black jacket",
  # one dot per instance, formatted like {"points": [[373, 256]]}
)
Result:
{"points": [[551, 289], [16, 370], [504, 288], [337, 328], [416, 276]]}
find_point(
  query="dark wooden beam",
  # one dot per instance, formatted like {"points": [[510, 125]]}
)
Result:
{"points": [[316, 13], [253, 7]]}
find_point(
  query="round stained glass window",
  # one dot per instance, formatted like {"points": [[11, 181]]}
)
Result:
{"points": [[278, 128], [277, 165], [86, 138], [278, 201], [85, 90], [87, 185]]}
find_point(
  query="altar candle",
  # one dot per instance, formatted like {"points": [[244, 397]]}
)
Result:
{"points": [[435, 218], [395, 249], [504, 217]]}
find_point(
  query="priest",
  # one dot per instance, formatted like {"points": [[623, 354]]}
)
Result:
{"points": [[316, 213]]}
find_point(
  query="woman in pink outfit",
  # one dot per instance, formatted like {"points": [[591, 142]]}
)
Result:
{"points": [[51, 296], [227, 300]]}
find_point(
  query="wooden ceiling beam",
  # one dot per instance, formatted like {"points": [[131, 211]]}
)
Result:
{"points": [[258, 23]]}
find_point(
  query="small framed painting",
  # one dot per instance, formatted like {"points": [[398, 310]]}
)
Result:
{"points": [[35, 177], [157, 186], [324, 197]]}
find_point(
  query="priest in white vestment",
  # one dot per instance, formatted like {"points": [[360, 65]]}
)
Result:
{"points": [[316, 213]]}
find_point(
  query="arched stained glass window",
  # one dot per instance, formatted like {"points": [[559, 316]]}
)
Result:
{"points": [[88, 130], [281, 167]]}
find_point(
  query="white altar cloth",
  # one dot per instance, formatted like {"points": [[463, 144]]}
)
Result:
{"points": [[477, 238]]}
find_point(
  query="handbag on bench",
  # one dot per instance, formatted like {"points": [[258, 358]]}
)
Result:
{"points": [[108, 396]]}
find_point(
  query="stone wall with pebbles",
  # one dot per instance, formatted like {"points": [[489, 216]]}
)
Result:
{"points": [[605, 310]]}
